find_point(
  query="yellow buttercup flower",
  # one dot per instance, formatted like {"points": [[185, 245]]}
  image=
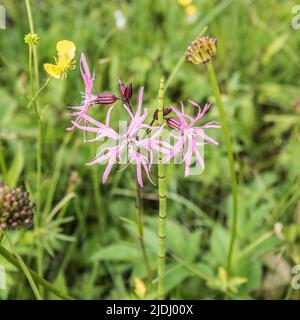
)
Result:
{"points": [[64, 61], [140, 288], [190, 10], [184, 2]]}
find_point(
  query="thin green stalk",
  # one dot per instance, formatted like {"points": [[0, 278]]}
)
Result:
{"points": [[41, 89], [59, 160], [35, 86], [2, 161], [254, 244], [38, 218], [138, 209], [162, 201], [174, 71], [47, 285], [25, 270], [30, 57], [215, 86], [35, 54], [179, 64]]}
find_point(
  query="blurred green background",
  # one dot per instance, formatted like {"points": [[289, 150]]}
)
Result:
{"points": [[91, 246]]}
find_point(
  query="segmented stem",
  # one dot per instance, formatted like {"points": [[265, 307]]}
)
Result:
{"points": [[162, 201]]}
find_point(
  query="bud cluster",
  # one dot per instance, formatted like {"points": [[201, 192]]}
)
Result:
{"points": [[31, 38], [16, 210]]}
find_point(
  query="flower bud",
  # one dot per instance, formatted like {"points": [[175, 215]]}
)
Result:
{"points": [[105, 98], [202, 50], [125, 91], [173, 123], [128, 91], [31, 38], [167, 110], [122, 88]]}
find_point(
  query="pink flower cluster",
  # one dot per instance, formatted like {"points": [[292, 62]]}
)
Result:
{"points": [[140, 142]]}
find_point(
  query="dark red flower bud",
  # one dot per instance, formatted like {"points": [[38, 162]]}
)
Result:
{"points": [[122, 88], [125, 91], [128, 91], [173, 123], [167, 110], [105, 98]]}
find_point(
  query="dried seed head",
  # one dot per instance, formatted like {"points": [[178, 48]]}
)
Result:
{"points": [[202, 50], [16, 210]]}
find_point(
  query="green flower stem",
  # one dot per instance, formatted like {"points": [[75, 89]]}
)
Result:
{"points": [[2, 161], [25, 270], [138, 207], [41, 89], [47, 285], [174, 71], [162, 201], [179, 64], [214, 83], [33, 56], [32, 81], [38, 217]]}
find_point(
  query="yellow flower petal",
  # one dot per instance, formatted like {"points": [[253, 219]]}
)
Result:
{"points": [[53, 70], [184, 2], [66, 48], [190, 10], [140, 288]]}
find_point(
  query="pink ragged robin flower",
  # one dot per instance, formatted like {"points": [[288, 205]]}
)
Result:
{"points": [[89, 98], [189, 137], [133, 143]]}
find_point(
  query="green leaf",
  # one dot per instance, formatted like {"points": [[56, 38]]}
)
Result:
{"points": [[174, 276], [16, 167], [117, 252]]}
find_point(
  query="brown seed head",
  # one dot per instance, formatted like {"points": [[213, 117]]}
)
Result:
{"points": [[202, 50]]}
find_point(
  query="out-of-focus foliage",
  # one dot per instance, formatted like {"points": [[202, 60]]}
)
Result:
{"points": [[89, 229]]}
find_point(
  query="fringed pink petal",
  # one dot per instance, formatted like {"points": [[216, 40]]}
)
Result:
{"points": [[75, 107], [140, 102], [86, 75], [212, 124], [85, 128], [199, 158], [107, 121], [201, 133], [108, 170], [139, 173], [129, 111]]}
